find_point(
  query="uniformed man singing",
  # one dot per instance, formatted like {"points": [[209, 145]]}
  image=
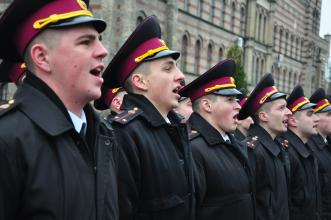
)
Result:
{"points": [[304, 200], [57, 158], [155, 171], [224, 182], [322, 148], [269, 161]]}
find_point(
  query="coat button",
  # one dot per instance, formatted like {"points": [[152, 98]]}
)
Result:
{"points": [[107, 142]]}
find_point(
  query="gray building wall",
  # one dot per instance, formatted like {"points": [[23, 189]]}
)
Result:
{"points": [[278, 36]]}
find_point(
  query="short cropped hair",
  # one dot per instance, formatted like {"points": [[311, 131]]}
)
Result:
{"points": [[196, 103], [143, 68], [264, 108]]}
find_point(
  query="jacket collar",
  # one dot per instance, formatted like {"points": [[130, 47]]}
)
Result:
{"points": [[213, 137], [42, 106], [318, 141], [296, 143], [208, 132], [150, 113], [264, 138]]}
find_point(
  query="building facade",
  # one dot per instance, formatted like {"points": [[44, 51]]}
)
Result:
{"points": [[277, 36]]}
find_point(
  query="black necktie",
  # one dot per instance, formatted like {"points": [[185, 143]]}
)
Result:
{"points": [[82, 130]]}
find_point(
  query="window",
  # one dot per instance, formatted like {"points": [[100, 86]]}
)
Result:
{"points": [[210, 55], [220, 54], [264, 29], [286, 43], [184, 54], [223, 6], [257, 69], [233, 13], [275, 38], [197, 57], [280, 40], [291, 47], [242, 20]]}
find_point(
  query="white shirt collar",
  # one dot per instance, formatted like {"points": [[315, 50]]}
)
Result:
{"points": [[78, 121], [226, 137]]}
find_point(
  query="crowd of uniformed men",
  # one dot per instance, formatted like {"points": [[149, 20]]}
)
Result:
{"points": [[167, 151]]}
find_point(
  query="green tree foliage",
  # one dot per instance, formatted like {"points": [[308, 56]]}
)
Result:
{"points": [[236, 53]]}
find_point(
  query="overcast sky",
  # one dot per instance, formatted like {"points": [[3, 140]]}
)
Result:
{"points": [[326, 19]]}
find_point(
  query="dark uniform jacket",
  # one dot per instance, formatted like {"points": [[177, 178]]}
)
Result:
{"points": [[155, 167], [47, 171], [238, 135], [223, 179], [323, 154], [304, 186], [271, 171], [111, 117]]}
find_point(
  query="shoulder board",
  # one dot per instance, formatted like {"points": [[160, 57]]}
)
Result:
{"points": [[127, 116], [251, 142], [7, 106], [193, 134]]}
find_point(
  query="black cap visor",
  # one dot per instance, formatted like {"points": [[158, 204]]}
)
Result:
{"points": [[98, 24], [227, 92]]}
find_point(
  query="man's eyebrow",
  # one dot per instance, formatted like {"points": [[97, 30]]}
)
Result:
{"points": [[88, 36], [169, 62]]}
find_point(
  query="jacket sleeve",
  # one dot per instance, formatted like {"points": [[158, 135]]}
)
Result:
{"points": [[128, 174], [10, 181]]}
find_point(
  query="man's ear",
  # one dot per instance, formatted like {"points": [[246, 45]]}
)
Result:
{"points": [[292, 121], [206, 105], [138, 81], [263, 116], [40, 56], [116, 103]]}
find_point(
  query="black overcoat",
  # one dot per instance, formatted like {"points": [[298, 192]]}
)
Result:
{"points": [[223, 179], [155, 166], [304, 189], [322, 152], [271, 176], [47, 170]]}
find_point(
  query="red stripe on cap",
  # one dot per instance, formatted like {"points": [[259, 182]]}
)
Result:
{"points": [[27, 32], [129, 64]]}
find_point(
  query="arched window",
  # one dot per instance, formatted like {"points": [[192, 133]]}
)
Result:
{"points": [[223, 6], [242, 20], [233, 13], [220, 54], [291, 46], [302, 50], [264, 29], [275, 38], [260, 26], [262, 69], [197, 56], [257, 73], [284, 80], [280, 40], [212, 11], [286, 43], [184, 53], [210, 55], [186, 5], [200, 8], [290, 79], [297, 48]]}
